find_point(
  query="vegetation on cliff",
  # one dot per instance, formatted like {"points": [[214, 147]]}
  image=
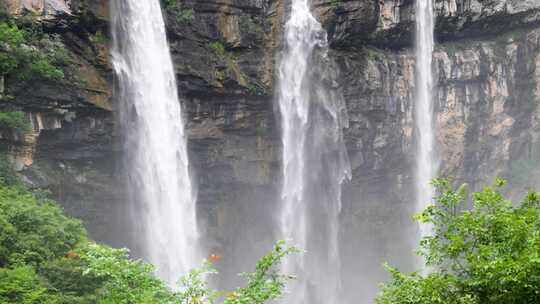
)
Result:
{"points": [[27, 53], [487, 254], [14, 121], [182, 14]]}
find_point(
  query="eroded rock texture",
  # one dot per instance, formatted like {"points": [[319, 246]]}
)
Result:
{"points": [[487, 65]]}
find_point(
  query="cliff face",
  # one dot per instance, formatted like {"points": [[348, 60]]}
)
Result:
{"points": [[487, 65], [71, 150]]}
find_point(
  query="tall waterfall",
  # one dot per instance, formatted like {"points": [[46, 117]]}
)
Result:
{"points": [[315, 161], [159, 184], [426, 161]]}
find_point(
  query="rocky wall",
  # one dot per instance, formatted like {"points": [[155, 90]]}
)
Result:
{"points": [[487, 65]]}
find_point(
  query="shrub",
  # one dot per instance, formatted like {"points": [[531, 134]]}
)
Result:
{"points": [[11, 35], [66, 275], [8, 176], [184, 15], [21, 285], [487, 255], [45, 257], [265, 283], [43, 67], [29, 53], [181, 14], [217, 47], [15, 121], [33, 231], [255, 89]]}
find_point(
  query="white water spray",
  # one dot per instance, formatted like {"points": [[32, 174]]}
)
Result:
{"points": [[315, 161], [159, 183], [426, 161]]}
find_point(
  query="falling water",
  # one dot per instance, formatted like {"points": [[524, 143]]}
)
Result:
{"points": [[426, 164], [315, 162], [159, 183]]}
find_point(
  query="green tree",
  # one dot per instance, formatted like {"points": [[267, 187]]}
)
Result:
{"points": [[21, 285], [46, 257], [124, 280], [29, 54], [33, 230], [15, 121], [262, 285], [489, 254], [266, 283]]}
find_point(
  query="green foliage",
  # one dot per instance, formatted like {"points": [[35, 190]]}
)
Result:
{"points": [[45, 257], [11, 34], [28, 53], [8, 63], [66, 276], [47, 254], [11, 39], [263, 285], [217, 47], [125, 281], [34, 234], [169, 3], [21, 285], [33, 231], [435, 288], [41, 66], [7, 173], [489, 254], [100, 38], [182, 14], [255, 89], [195, 287], [335, 3], [15, 121], [374, 54]]}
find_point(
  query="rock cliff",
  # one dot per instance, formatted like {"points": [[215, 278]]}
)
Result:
{"points": [[487, 65]]}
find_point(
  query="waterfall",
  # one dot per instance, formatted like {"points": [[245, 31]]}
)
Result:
{"points": [[426, 162], [158, 179], [315, 161]]}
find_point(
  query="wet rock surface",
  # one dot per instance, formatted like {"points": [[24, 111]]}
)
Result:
{"points": [[487, 65]]}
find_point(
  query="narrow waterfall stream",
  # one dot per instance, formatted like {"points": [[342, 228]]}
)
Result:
{"points": [[161, 191], [426, 160], [315, 161]]}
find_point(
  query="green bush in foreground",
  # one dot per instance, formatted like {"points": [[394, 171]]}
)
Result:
{"points": [[21, 285], [46, 257], [487, 255], [33, 232]]}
